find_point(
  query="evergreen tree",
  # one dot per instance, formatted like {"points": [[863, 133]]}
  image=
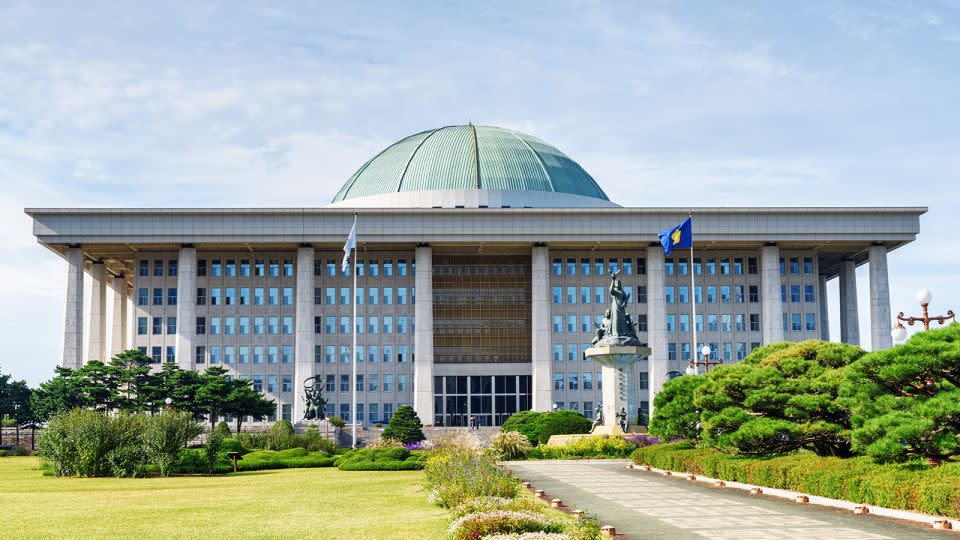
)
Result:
{"points": [[404, 426], [214, 392], [674, 412], [132, 377], [98, 382], [243, 400]]}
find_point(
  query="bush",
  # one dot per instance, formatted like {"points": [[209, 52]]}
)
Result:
{"points": [[481, 524], [223, 429], [337, 422], [587, 447], [562, 423], [213, 447], [281, 436], [486, 504], [15, 451], [459, 476], [525, 422], [510, 445], [82, 442], [531, 536], [404, 426], [385, 443], [3, 453], [233, 445], [674, 413], [911, 486], [165, 435], [295, 458], [382, 459]]}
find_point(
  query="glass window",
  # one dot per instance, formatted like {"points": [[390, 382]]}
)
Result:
{"points": [[725, 266], [157, 268], [258, 267], [557, 267], [668, 267], [216, 268], [273, 296], [584, 267], [158, 296], [558, 381], [171, 325], [288, 296], [288, 267], [258, 296], [201, 355], [287, 325], [811, 322], [738, 266], [754, 294], [245, 267], [571, 295], [258, 325], [244, 296], [711, 267], [671, 322], [229, 296], [274, 267], [571, 267], [141, 326], [557, 352], [807, 265], [795, 293], [794, 265], [808, 295], [231, 268], [201, 267], [752, 265], [143, 268], [795, 322], [725, 294], [558, 323], [273, 325]]}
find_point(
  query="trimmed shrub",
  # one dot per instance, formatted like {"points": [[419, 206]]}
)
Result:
{"points": [[165, 435], [525, 422], [233, 445], [337, 422], [911, 486], [3, 453], [223, 429], [674, 413], [481, 524], [213, 447], [459, 476], [562, 423], [587, 447], [404, 426], [510, 445], [529, 536], [383, 459], [281, 436], [285, 459]]}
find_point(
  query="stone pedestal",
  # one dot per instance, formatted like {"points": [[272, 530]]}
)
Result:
{"points": [[619, 368]]}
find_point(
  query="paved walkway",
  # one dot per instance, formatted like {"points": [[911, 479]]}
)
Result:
{"points": [[645, 505]]}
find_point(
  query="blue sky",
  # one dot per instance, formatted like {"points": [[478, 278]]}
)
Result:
{"points": [[664, 103]]}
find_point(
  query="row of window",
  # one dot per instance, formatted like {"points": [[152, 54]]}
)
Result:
{"points": [[724, 350], [230, 354], [343, 411], [274, 267], [600, 266], [143, 296], [260, 267], [574, 380], [587, 323], [597, 294], [365, 267], [157, 354], [715, 323], [329, 296], [284, 325], [143, 268], [329, 354], [331, 325], [371, 382]]}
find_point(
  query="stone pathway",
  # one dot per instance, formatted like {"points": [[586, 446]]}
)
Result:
{"points": [[644, 505]]}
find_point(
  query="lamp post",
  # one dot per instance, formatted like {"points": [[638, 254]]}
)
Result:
{"points": [[924, 297], [693, 367]]}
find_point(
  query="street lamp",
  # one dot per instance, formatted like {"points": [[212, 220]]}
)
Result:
{"points": [[168, 401], [924, 297], [692, 367]]}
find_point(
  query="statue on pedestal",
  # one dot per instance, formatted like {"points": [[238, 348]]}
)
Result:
{"points": [[617, 328], [598, 420], [315, 405]]}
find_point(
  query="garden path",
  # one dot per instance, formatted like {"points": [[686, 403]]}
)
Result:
{"points": [[643, 505]]}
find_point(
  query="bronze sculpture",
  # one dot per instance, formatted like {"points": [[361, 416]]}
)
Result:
{"points": [[315, 405], [617, 328]]}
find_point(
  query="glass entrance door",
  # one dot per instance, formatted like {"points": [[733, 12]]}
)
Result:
{"points": [[490, 399]]}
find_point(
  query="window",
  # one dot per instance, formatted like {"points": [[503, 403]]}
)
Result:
{"points": [[158, 296], [229, 296], [374, 268], [388, 325], [374, 296], [795, 293], [807, 265], [144, 268], [572, 352], [360, 382], [141, 326], [571, 267], [669, 294], [373, 354], [388, 296], [598, 267], [712, 323], [571, 323], [754, 294], [711, 267], [671, 323], [752, 265], [641, 294], [216, 268], [584, 267], [157, 326], [741, 323], [344, 354], [558, 381], [642, 323], [587, 381], [783, 294], [329, 354], [374, 325], [584, 295], [215, 296], [795, 322], [388, 267], [684, 295], [244, 355], [288, 267], [258, 325], [272, 354], [557, 267], [258, 354], [273, 325], [244, 296], [668, 267], [258, 383], [738, 266], [573, 379], [330, 325], [725, 266], [287, 327], [228, 355], [258, 267], [387, 354], [557, 323], [794, 265], [682, 266], [245, 267], [200, 356], [599, 294], [586, 325], [401, 267], [641, 267], [402, 354], [401, 383], [558, 295], [288, 296], [557, 353], [684, 322], [811, 322], [402, 296], [571, 295], [671, 351], [171, 353], [258, 296], [171, 325], [808, 294], [228, 325], [725, 294], [644, 383], [231, 268], [157, 268], [274, 267], [286, 353], [214, 355], [726, 323], [754, 322], [142, 296], [273, 296], [712, 294]]}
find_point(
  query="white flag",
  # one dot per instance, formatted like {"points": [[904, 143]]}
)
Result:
{"points": [[351, 244]]}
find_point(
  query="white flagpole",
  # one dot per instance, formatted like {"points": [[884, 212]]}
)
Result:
{"points": [[353, 297], [693, 297]]}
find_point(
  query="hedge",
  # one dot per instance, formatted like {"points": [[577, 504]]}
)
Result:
{"points": [[909, 486], [381, 459]]}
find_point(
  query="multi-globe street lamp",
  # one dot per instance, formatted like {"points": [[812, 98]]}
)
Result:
{"points": [[924, 297], [693, 367]]}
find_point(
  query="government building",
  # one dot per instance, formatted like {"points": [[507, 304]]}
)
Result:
{"points": [[484, 260]]}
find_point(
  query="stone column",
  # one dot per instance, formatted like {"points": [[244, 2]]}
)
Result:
{"points": [[186, 306], [118, 330], [849, 316], [880, 326], [303, 348], [73, 320], [423, 337], [770, 302], [540, 328], [97, 336], [824, 310], [657, 363]]}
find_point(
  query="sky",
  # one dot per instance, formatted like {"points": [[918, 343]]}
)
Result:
{"points": [[136, 104]]}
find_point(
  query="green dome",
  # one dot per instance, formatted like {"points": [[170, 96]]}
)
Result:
{"points": [[470, 158]]}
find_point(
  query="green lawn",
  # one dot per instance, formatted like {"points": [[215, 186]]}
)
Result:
{"points": [[305, 503]]}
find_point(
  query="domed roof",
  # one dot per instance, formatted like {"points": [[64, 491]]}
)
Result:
{"points": [[466, 158]]}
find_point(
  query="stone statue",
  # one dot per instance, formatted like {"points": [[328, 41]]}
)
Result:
{"points": [[315, 405], [622, 419], [598, 421], [617, 329]]}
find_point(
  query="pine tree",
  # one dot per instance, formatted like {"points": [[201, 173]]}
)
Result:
{"points": [[404, 426]]}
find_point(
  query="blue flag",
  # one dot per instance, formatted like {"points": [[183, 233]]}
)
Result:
{"points": [[680, 236]]}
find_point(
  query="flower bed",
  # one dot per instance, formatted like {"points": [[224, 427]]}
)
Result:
{"points": [[910, 486]]}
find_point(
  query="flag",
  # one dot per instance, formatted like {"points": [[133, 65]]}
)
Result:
{"points": [[351, 244], [680, 236]]}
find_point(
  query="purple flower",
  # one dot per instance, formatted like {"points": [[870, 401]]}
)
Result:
{"points": [[413, 446]]}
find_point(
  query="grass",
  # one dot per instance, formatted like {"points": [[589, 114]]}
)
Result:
{"points": [[285, 503]]}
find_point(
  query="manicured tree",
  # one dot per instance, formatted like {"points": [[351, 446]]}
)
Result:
{"points": [[404, 426], [781, 398], [561, 423], [906, 400], [674, 413], [526, 422], [213, 392], [132, 373], [243, 401]]}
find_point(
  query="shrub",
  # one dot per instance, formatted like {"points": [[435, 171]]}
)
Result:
{"points": [[385, 443], [382, 459], [337, 422], [911, 486], [562, 423], [280, 436], [456, 440], [223, 429], [3, 453], [285, 459], [525, 422], [674, 413], [481, 524], [454, 477], [213, 447], [165, 435], [587, 447], [314, 441], [404, 426], [16, 451], [531, 536], [82, 442], [233, 445], [510, 445]]}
